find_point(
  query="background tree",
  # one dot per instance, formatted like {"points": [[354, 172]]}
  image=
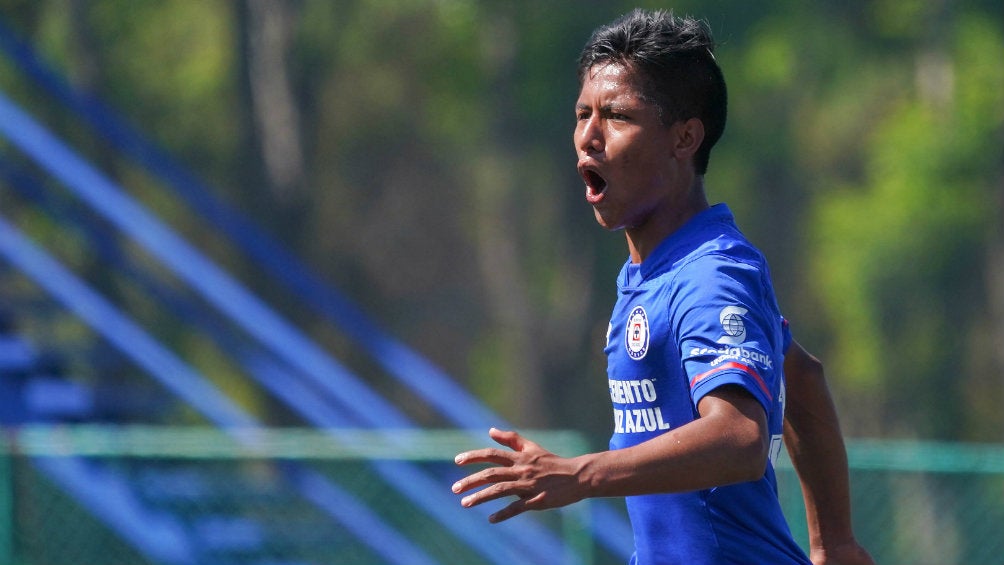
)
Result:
{"points": [[417, 155]]}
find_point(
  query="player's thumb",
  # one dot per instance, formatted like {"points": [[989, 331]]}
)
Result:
{"points": [[510, 439]]}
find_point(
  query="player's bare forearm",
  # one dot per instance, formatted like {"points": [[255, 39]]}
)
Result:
{"points": [[816, 447], [727, 444], [847, 554]]}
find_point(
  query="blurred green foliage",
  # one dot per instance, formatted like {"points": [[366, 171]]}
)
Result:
{"points": [[430, 176]]}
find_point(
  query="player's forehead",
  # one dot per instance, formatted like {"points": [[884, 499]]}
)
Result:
{"points": [[610, 82]]}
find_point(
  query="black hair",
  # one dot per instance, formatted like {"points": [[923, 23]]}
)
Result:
{"points": [[674, 57]]}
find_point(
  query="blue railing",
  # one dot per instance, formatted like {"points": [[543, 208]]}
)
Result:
{"points": [[304, 358], [401, 362], [287, 352], [104, 492]]}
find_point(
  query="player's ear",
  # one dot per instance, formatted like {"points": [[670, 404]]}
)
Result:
{"points": [[688, 138]]}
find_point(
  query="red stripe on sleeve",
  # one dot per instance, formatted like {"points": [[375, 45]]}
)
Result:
{"points": [[733, 365]]}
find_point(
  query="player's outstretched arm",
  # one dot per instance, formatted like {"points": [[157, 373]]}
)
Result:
{"points": [[816, 447], [727, 444]]}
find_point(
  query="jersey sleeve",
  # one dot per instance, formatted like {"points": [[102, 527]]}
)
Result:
{"points": [[728, 327]]}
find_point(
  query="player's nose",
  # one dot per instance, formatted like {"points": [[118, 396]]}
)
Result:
{"points": [[588, 136]]}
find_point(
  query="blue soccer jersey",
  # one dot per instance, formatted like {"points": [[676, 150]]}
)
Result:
{"points": [[697, 314]]}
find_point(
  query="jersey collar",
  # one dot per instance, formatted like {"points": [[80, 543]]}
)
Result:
{"points": [[677, 245]]}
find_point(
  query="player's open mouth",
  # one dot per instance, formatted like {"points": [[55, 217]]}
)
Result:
{"points": [[595, 185]]}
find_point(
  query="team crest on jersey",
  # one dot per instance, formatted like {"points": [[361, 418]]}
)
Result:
{"points": [[733, 327], [636, 338]]}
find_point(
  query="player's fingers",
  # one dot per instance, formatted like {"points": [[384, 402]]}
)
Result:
{"points": [[491, 492], [491, 475], [510, 439], [516, 508], [491, 455]]}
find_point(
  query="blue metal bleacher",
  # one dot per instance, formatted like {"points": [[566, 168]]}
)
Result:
{"points": [[289, 366]]}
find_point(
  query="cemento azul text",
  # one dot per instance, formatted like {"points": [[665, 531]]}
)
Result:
{"points": [[630, 392], [635, 420]]}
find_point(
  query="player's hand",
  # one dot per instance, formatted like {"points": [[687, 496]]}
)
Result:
{"points": [[850, 553], [540, 479]]}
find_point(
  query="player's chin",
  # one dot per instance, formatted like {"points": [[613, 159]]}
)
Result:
{"points": [[606, 219]]}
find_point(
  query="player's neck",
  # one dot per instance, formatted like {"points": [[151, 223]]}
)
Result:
{"points": [[642, 240]]}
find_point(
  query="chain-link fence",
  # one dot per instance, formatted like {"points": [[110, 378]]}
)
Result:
{"points": [[919, 503], [108, 496], [164, 496]]}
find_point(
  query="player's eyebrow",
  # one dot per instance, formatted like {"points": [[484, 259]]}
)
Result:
{"points": [[605, 109]]}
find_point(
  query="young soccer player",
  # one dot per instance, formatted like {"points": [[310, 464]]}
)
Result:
{"points": [[696, 342]]}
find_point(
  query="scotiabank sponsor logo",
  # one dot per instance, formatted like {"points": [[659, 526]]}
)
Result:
{"points": [[734, 354], [733, 327]]}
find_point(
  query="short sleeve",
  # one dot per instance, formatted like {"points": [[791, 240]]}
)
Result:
{"points": [[728, 328]]}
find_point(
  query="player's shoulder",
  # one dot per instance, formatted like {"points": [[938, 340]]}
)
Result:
{"points": [[720, 275], [723, 255], [711, 242]]}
